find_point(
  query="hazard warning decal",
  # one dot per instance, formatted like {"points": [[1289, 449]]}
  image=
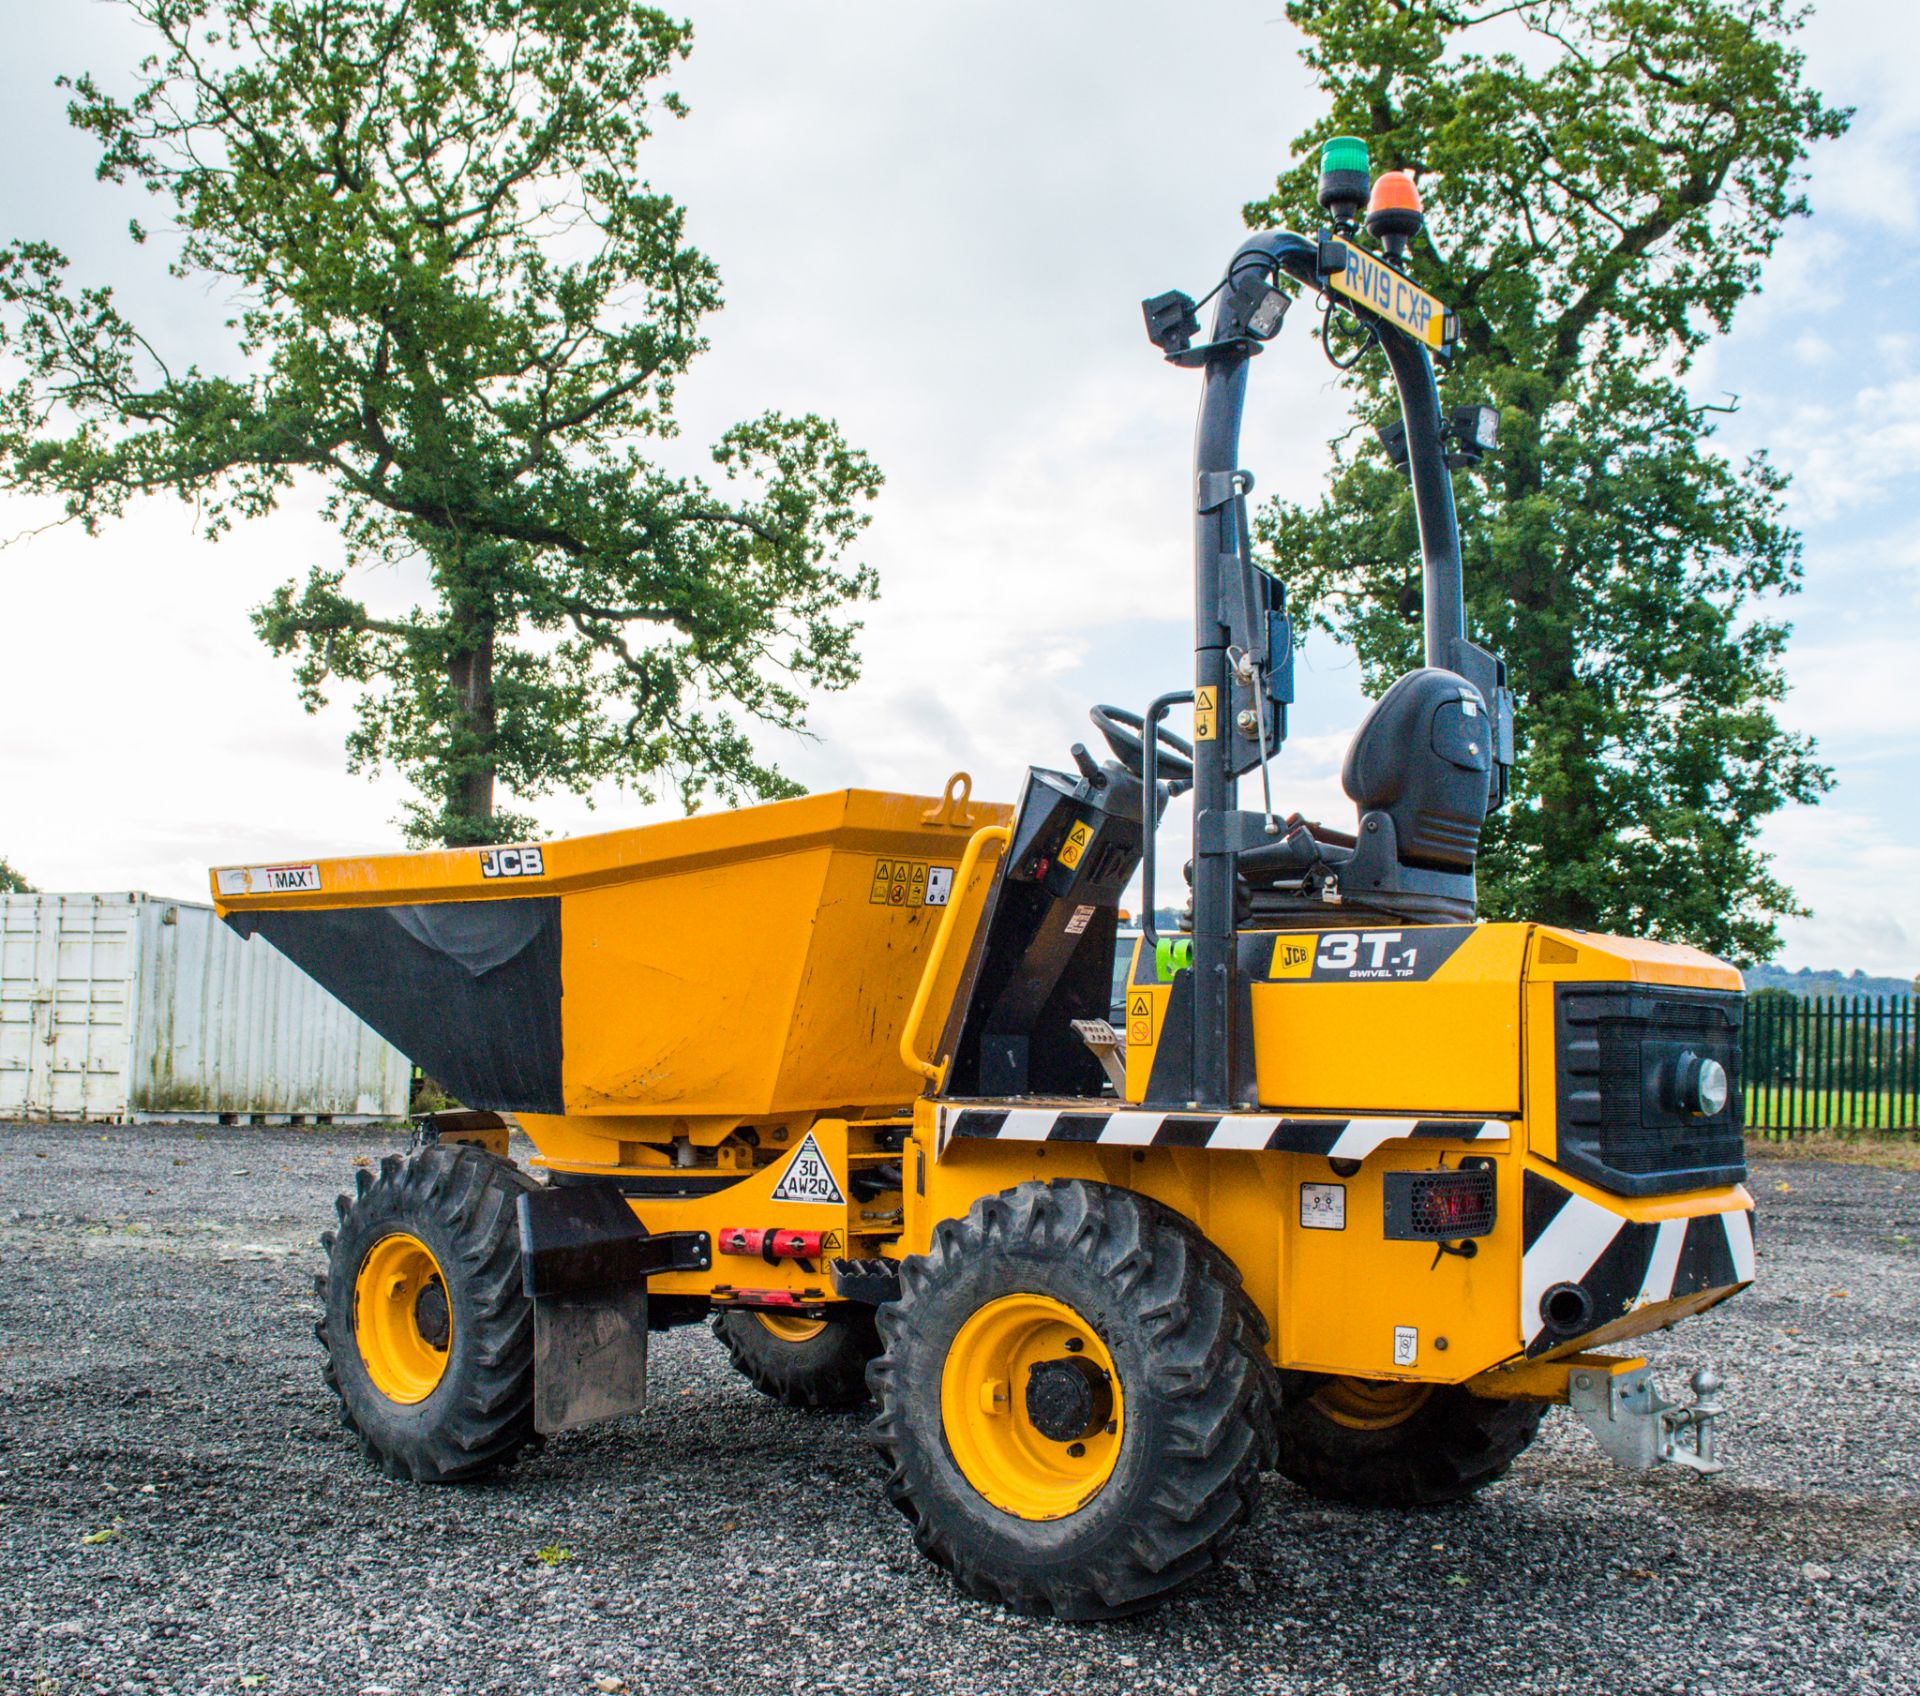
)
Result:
{"points": [[910, 883], [808, 1177], [1139, 1019]]}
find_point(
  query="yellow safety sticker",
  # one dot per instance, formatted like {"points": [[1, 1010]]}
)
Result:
{"points": [[1382, 290], [1205, 714], [1139, 1019], [909, 883], [833, 1242], [1075, 844]]}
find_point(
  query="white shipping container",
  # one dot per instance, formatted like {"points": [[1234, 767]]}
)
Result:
{"points": [[127, 1007]]}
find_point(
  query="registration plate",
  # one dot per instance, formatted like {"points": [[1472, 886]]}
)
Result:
{"points": [[1382, 290]]}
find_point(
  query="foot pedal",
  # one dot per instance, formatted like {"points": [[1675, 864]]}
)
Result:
{"points": [[1108, 1046]]}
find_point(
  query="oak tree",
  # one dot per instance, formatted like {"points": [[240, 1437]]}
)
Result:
{"points": [[1604, 181], [462, 312]]}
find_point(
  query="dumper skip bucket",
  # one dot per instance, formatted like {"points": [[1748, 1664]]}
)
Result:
{"points": [[675, 980]]}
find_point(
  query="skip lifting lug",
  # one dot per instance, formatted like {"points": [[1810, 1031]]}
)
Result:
{"points": [[1635, 1425]]}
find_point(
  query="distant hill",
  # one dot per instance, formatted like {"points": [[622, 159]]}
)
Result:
{"points": [[1812, 983]]}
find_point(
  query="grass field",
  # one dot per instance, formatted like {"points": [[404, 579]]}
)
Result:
{"points": [[1770, 1106], [1890, 1149]]}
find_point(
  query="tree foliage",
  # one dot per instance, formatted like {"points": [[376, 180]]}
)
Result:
{"points": [[11, 882], [1604, 180], [461, 308]]}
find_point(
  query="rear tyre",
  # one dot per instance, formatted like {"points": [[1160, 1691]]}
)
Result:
{"points": [[429, 1337], [1075, 1402], [1393, 1445], [803, 1362]]}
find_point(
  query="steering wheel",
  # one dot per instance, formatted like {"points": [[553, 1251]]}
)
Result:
{"points": [[1173, 759]]}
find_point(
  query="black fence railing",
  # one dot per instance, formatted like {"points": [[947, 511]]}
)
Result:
{"points": [[1839, 1063]]}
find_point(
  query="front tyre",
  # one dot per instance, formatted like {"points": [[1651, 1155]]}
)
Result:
{"points": [[1386, 1444], [428, 1334], [1075, 1403]]}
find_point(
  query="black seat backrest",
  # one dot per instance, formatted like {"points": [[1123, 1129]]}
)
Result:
{"points": [[1424, 757]]}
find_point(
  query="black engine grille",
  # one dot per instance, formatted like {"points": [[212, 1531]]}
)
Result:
{"points": [[1621, 1123]]}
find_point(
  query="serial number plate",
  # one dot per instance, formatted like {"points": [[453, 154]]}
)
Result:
{"points": [[1382, 290]]}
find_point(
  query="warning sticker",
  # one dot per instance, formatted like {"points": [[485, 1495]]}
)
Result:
{"points": [[1078, 923], [809, 1178], [1075, 844], [909, 883], [268, 880], [1406, 1345], [1139, 1019], [1323, 1207], [1206, 714], [833, 1242]]}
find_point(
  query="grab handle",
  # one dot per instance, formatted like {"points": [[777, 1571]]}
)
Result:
{"points": [[935, 1072]]}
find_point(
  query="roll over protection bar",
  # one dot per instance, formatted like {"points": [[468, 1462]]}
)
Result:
{"points": [[1222, 1062]]}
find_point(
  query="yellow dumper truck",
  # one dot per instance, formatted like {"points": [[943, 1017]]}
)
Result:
{"points": [[1350, 1185]]}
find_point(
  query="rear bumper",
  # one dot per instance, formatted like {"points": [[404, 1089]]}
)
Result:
{"points": [[1599, 1269]]}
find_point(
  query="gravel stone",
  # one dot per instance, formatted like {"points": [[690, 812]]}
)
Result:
{"points": [[181, 1511]]}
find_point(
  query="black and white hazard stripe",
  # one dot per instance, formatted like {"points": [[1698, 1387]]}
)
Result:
{"points": [[1621, 1264], [1338, 1139]]}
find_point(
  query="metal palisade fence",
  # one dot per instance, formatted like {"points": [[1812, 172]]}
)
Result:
{"points": [[1840, 1063]]}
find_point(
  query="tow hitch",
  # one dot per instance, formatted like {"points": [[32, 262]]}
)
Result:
{"points": [[1638, 1427]]}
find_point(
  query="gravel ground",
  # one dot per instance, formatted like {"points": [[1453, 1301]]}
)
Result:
{"points": [[180, 1510]]}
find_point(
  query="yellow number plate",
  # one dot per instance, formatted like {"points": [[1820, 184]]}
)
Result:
{"points": [[1382, 290]]}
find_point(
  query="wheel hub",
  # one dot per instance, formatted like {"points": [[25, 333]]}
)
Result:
{"points": [[401, 1319], [1032, 1406], [1069, 1398], [430, 1315]]}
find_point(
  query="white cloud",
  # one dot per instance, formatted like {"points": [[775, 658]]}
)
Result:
{"points": [[1856, 877]]}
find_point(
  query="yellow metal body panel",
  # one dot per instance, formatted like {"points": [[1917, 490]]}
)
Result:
{"points": [[1469, 1032], [861, 1229], [1446, 1044], [734, 968], [1331, 1038]]}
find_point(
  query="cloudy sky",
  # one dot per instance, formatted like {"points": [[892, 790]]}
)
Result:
{"points": [[935, 224]]}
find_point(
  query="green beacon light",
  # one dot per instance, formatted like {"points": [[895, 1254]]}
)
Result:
{"points": [[1345, 178]]}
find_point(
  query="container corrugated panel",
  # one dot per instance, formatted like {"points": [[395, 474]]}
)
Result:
{"points": [[120, 1005]]}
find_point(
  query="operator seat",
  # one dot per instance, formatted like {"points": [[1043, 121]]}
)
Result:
{"points": [[1419, 772]]}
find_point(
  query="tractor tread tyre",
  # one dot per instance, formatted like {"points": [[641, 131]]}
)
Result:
{"points": [[1199, 1398], [459, 1201], [1449, 1448], [825, 1372]]}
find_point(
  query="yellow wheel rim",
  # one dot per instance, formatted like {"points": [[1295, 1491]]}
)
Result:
{"points": [[792, 1327], [986, 1407], [1370, 1404], [402, 1319]]}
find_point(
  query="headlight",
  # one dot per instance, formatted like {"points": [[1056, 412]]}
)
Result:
{"points": [[1701, 1085]]}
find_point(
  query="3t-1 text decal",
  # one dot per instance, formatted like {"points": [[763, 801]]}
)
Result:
{"points": [[1365, 956]]}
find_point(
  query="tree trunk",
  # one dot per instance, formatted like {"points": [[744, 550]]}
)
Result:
{"points": [[470, 773], [470, 758]]}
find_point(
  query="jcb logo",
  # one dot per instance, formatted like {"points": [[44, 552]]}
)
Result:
{"points": [[1293, 957], [512, 862]]}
